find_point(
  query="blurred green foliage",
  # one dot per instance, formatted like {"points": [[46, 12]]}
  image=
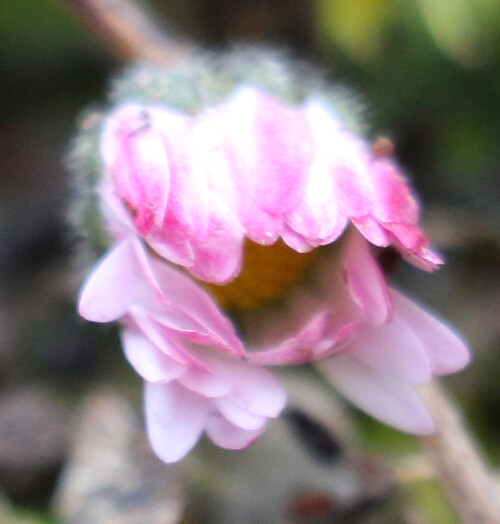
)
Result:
{"points": [[431, 72]]}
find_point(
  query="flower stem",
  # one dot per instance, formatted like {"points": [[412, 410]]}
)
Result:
{"points": [[128, 31], [462, 471]]}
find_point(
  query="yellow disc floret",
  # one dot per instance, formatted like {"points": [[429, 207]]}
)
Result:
{"points": [[267, 273]]}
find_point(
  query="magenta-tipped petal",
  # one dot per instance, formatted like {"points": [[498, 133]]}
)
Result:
{"points": [[175, 418], [135, 152]]}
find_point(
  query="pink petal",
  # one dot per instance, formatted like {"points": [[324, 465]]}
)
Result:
{"points": [[163, 339], [411, 242], [295, 240], [317, 216], [366, 282], [393, 349], [139, 159], [118, 220], [446, 350], [110, 288], [206, 382], [176, 250], [175, 301], [380, 395], [191, 300], [219, 257], [219, 249], [269, 148], [228, 436], [346, 159], [393, 200], [236, 412], [372, 230], [175, 418], [147, 359], [310, 343], [257, 389], [273, 147]]}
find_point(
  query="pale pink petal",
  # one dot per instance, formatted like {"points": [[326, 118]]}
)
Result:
{"points": [[366, 282], [295, 240], [236, 412], [446, 350], [218, 258], [394, 349], [372, 230], [257, 389], [206, 382], [174, 300], [118, 220], [260, 227], [147, 359], [191, 300], [381, 395], [228, 436], [175, 418], [313, 341], [167, 341], [110, 288]]}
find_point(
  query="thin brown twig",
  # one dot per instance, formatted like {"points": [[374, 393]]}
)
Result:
{"points": [[127, 30], [472, 489]]}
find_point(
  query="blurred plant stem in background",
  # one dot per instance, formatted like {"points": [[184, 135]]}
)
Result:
{"points": [[128, 31]]}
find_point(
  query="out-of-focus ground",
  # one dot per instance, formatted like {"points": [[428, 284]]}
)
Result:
{"points": [[429, 73]]}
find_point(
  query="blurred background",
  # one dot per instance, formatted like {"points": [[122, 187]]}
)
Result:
{"points": [[429, 75]]}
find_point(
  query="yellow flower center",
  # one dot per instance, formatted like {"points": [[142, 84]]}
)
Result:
{"points": [[267, 274]]}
